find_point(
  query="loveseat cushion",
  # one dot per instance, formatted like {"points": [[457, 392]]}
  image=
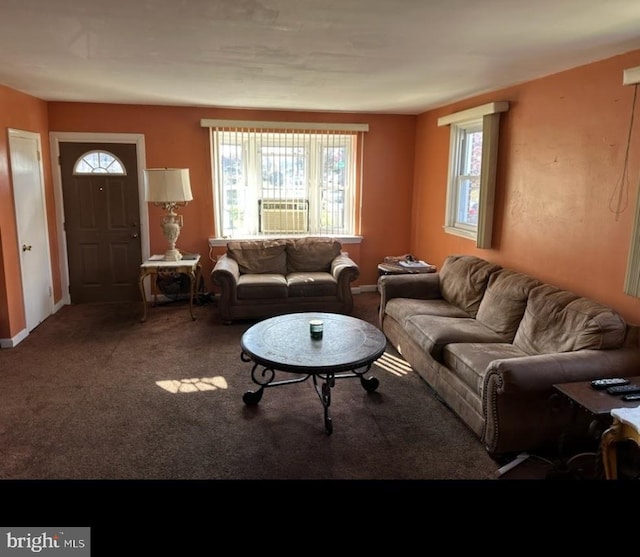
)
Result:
{"points": [[505, 300], [262, 286], [259, 256], [463, 280], [311, 284], [556, 320], [432, 332], [311, 254]]}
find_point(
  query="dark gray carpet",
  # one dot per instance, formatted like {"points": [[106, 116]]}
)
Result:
{"points": [[82, 398], [89, 438]]}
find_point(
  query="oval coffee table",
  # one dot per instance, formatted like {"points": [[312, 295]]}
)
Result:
{"points": [[347, 349]]}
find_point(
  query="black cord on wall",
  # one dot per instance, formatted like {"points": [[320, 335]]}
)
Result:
{"points": [[622, 187]]}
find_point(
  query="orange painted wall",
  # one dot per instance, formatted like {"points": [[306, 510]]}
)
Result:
{"points": [[562, 149], [174, 137], [22, 112], [563, 144]]}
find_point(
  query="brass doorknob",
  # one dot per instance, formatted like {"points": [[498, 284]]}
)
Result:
{"points": [[26, 247]]}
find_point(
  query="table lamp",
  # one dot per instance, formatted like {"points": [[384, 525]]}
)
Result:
{"points": [[169, 188]]}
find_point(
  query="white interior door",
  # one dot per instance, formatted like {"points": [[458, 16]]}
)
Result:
{"points": [[31, 217]]}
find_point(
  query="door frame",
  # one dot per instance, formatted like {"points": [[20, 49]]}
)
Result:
{"points": [[55, 138]]}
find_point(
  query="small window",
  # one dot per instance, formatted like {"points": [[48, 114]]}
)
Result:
{"points": [[473, 159], [99, 162], [465, 183]]}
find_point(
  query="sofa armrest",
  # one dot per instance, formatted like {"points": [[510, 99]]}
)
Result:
{"points": [[420, 286], [542, 371], [521, 408], [226, 274]]}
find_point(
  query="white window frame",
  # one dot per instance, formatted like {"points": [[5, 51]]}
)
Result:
{"points": [[108, 163], [486, 117], [314, 165]]}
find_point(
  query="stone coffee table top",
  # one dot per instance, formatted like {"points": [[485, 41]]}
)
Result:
{"points": [[284, 343]]}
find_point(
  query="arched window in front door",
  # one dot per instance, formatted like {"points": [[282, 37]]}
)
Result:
{"points": [[99, 162]]}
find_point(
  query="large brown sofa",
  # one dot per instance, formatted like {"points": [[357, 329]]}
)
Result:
{"points": [[492, 342], [263, 278]]}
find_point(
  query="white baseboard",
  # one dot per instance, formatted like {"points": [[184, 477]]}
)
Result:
{"points": [[15, 340], [364, 288]]}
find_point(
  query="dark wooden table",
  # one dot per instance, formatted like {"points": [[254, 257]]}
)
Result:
{"points": [[347, 349], [598, 403]]}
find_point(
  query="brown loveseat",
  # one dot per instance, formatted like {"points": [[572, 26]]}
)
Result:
{"points": [[263, 278], [492, 342]]}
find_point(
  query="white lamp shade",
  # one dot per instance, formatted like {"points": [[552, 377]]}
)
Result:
{"points": [[167, 185]]}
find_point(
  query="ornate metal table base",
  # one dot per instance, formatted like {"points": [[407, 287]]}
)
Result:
{"points": [[322, 382], [347, 349]]}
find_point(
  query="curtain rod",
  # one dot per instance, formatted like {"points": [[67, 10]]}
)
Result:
{"points": [[253, 124]]}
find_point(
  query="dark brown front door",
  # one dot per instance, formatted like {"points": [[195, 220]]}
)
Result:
{"points": [[102, 222]]}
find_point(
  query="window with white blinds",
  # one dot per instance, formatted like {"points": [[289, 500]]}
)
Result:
{"points": [[271, 180]]}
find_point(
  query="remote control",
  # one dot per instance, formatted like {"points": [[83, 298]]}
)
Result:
{"points": [[631, 396], [601, 384], [623, 389]]}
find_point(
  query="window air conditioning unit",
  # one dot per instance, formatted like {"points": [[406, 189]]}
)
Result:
{"points": [[283, 217]]}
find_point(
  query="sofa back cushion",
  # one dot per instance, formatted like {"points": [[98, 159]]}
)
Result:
{"points": [[259, 256], [463, 280], [311, 254], [559, 321], [505, 300]]}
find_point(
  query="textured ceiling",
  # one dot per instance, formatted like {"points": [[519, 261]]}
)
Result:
{"points": [[393, 56]]}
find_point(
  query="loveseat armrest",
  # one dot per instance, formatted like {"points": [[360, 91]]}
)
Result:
{"points": [[226, 274], [520, 405], [226, 268], [344, 268]]}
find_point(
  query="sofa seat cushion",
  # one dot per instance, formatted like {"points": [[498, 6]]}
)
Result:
{"points": [[470, 361], [463, 280], [402, 309], [311, 284], [262, 286], [311, 254], [259, 256], [556, 320], [505, 300], [433, 332]]}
